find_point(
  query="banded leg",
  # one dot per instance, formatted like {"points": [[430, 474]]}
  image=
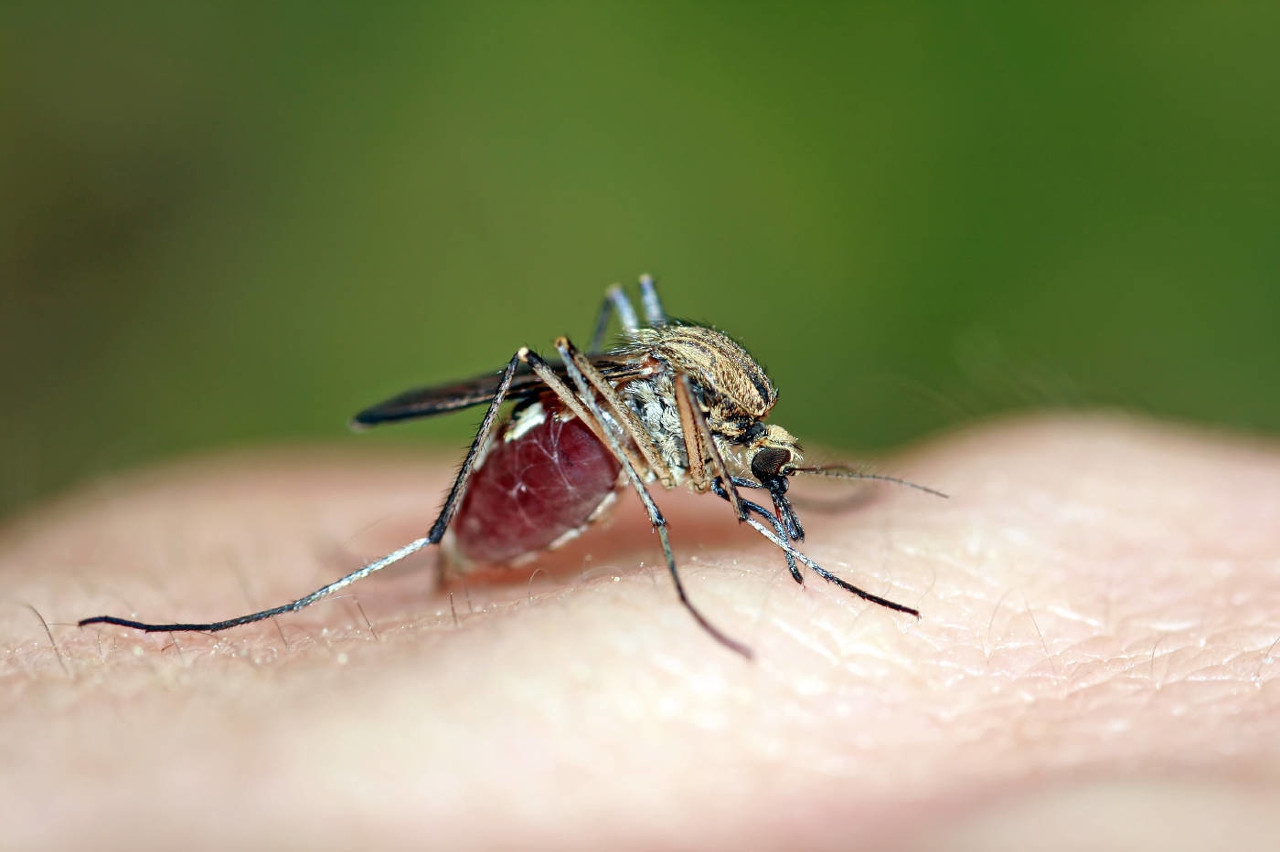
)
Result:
{"points": [[436, 533]]}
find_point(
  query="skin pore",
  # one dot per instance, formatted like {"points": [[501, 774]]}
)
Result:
{"points": [[1098, 661]]}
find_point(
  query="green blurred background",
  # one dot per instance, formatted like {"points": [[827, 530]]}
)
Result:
{"points": [[234, 224]]}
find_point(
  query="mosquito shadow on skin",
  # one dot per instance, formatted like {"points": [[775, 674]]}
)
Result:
{"points": [[623, 540], [828, 502]]}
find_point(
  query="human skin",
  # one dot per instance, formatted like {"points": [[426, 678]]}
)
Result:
{"points": [[1097, 663]]}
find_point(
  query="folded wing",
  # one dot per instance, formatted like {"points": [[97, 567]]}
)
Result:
{"points": [[441, 399]]}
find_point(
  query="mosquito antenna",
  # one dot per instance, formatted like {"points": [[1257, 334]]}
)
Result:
{"points": [[842, 472]]}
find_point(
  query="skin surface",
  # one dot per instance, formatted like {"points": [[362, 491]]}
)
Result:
{"points": [[1097, 662]]}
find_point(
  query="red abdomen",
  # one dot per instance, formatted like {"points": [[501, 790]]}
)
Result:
{"points": [[533, 489]]}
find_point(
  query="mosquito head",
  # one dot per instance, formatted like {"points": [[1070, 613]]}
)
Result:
{"points": [[775, 455], [775, 458]]}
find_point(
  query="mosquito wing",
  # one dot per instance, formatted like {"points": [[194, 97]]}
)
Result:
{"points": [[441, 399]]}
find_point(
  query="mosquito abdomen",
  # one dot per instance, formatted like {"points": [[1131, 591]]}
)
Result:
{"points": [[534, 489]]}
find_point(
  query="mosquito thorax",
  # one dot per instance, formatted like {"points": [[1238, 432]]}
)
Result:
{"points": [[654, 400], [735, 389]]}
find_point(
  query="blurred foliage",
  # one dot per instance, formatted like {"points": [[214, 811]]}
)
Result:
{"points": [[236, 223]]}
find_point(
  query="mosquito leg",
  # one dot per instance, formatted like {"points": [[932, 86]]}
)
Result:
{"points": [[557, 386], [717, 486], [655, 515], [323, 592], [454, 500], [785, 545], [622, 413], [451, 504], [616, 303], [653, 311], [699, 440]]}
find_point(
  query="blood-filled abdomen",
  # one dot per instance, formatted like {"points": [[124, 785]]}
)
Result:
{"points": [[533, 489]]}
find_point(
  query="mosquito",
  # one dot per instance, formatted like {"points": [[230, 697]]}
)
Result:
{"points": [[674, 403]]}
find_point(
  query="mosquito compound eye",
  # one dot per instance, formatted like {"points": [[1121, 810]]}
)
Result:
{"points": [[768, 462]]}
